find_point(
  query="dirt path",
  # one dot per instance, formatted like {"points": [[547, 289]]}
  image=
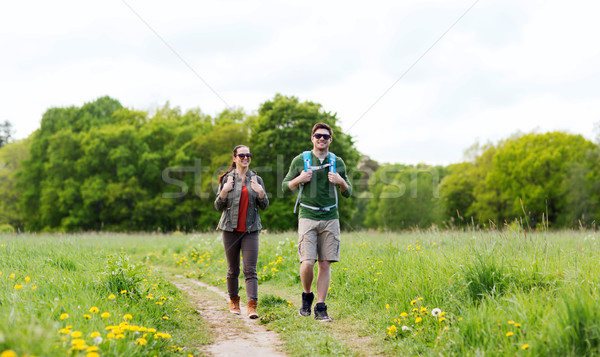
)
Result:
{"points": [[235, 335]]}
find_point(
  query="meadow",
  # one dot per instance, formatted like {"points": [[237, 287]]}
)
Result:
{"points": [[426, 293]]}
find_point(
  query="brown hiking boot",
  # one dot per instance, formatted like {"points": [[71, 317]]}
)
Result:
{"points": [[234, 306], [252, 309]]}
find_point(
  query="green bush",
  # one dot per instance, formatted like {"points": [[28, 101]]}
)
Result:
{"points": [[121, 274], [6, 228]]}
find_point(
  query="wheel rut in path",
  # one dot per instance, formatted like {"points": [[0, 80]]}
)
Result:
{"points": [[235, 335]]}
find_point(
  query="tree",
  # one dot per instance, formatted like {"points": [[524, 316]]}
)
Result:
{"points": [[456, 191], [405, 197], [5, 133], [51, 178], [11, 157], [527, 176], [366, 169]]}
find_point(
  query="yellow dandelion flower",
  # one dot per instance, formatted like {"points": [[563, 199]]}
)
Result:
{"points": [[27, 279], [387, 306], [420, 299], [17, 287], [76, 334], [94, 334], [509, 333], [9, 353], [441, 319], [34, 287], [141, 341], [87, 316], [511, 322], [413, 302], [111, 297], [94, 309], [105, 315], [404, 314], [517, 325], [525, 346], [92, 354], [12, 276], [392, 330], [110, 335], [93, 349], [64, 316], [152, 330], [123, 291], [418, 319], [79, 344], [127, 317], [165, 317]]}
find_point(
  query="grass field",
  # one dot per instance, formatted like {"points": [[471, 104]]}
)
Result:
{"points": [[419, 293]]}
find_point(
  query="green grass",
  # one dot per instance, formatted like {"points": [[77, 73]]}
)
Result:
{"points": [[500, 292], [55, 289]]}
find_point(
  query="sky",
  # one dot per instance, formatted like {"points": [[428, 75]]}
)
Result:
{"points": [[411, 81]]}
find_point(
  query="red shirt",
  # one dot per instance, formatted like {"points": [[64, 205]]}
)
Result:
{"points": [[244, 200]]}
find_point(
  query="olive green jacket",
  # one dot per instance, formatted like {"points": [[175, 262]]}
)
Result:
{"points": [[231, 205]]}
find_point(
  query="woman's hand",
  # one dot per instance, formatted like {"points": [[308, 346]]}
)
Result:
{"points": [[257, 187], [227, 187]]}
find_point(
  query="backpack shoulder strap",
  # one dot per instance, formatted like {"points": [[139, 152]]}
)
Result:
{"points": [[332, 162], [307, 158]]}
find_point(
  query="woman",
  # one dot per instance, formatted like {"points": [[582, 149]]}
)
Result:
{"points": [[241, 193]]}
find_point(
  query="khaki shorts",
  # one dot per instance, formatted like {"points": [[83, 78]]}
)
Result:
{"points": [[319, 240]]}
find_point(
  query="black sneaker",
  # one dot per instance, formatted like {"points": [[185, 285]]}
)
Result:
{"points": [[321, 312], [307, 300]]}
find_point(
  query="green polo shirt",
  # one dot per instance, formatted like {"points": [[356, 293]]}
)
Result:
{"points": [[319, 192]]}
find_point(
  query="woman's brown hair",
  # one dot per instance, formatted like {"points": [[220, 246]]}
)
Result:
{"points": [[232, 167]]}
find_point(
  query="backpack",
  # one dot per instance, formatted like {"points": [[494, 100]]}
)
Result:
{"points": [[307, 158]]}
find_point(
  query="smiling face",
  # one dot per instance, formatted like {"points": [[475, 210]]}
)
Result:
{"points": [[242, 159], [321, 139]]}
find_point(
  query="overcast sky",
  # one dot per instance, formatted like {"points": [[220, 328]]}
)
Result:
{"points": [[505, 66]]}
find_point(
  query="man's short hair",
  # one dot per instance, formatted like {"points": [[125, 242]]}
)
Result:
{"points": [[322, 126]]}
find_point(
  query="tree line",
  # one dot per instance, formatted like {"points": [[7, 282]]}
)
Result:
{"points": [[102, 166]]}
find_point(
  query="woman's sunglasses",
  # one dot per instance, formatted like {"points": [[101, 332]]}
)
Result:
{"points": [[244, 155], [324, 136]]}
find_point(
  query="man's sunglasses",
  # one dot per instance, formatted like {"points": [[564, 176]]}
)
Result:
{"points": [[244, 155], [324, 136]]}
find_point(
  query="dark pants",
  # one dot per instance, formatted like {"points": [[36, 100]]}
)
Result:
{"points": [[247, 244]]}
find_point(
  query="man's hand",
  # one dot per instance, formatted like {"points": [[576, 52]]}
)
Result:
{"points": [[305, 176], [335, 178], [257, 187]]}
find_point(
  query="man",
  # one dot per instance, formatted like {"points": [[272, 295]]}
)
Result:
{"points": [[318, 222]]}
